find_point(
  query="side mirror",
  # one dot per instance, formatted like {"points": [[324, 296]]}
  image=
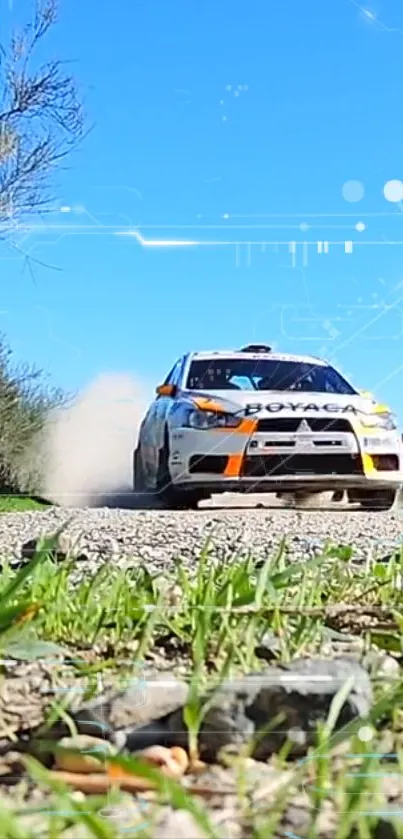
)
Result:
{"points": [[166, 390]]}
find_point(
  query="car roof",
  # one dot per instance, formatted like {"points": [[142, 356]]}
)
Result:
{"points": [[269, 356]]}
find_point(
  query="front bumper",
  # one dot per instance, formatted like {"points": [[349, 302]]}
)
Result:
{"points": [[325, 483], [243, 460]]}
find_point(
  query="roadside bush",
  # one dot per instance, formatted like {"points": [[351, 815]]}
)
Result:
{"points": [[25, 401]]}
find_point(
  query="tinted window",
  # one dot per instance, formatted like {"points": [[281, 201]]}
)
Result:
{"points": [[265, 374]]}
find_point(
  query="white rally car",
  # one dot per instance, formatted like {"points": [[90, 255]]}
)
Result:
{"points": [[254, 420]]}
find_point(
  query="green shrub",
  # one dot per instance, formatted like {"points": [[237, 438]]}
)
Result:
{"points": [[25, 400]]}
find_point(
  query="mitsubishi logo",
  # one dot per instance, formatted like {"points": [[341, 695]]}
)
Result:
{"points": [[303, 426]]}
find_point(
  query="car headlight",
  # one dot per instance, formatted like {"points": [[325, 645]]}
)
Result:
{"points": [[385, 421], [210, 419]]}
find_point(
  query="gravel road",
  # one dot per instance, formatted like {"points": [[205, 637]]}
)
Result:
{"points": [[158, 536]]}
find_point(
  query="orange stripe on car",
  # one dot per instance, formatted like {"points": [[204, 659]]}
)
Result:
{"points": [[233, 467], [205, 404], [247, 426]]}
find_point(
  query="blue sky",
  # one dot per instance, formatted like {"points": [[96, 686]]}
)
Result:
{"points": [[221, 122]]}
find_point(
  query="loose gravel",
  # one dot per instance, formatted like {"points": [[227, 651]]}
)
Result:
{"points": [[158, 537]]}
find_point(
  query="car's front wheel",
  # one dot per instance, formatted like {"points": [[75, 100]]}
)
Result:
{"points": [[168, 494], [373, 500]]}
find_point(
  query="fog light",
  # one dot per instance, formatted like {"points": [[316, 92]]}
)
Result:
{"points": [[386, 462]]}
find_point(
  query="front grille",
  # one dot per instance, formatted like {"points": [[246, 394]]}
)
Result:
{"points": [[301, 464], [290, 424], [215, 464]]}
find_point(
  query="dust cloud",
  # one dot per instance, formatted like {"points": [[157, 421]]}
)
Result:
{"points": [[87, 447]]}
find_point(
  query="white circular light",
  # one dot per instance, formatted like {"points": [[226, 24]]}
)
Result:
{"points": [[365, 733], [360, 226], [353, 191], [393, 191]]}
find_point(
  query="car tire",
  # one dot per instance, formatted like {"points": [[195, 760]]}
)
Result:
{"points": [[139, 483], [167, 493], [374, 501]]}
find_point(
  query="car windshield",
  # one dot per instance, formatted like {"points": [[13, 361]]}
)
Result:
{"points": [[265, 374]]}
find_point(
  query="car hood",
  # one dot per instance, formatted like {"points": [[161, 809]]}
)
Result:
{"points": [[285, 403]]}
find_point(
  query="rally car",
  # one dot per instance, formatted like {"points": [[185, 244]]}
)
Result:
{"points": [[254, 420]]}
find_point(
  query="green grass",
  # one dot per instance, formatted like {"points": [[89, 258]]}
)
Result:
{"points": [[21, 503], [211, 619]]}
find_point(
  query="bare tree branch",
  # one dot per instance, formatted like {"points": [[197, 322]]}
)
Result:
{"points": [[41, 117]]}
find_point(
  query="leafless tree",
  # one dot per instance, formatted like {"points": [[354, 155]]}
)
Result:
{"points": [[41, 118]]}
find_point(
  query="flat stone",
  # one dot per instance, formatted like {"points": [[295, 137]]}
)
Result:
{"points": [[143, 702], [301, 693]]}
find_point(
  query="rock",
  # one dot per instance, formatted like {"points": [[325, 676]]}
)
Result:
{"points": [[226, 725], [85, 762], [126, 718], [141, 703], [301, 693], [146, 701], [130, 716], [381, 665]]}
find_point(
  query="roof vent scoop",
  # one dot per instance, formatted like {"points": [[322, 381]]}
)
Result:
{"points": [[256, 348]]}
